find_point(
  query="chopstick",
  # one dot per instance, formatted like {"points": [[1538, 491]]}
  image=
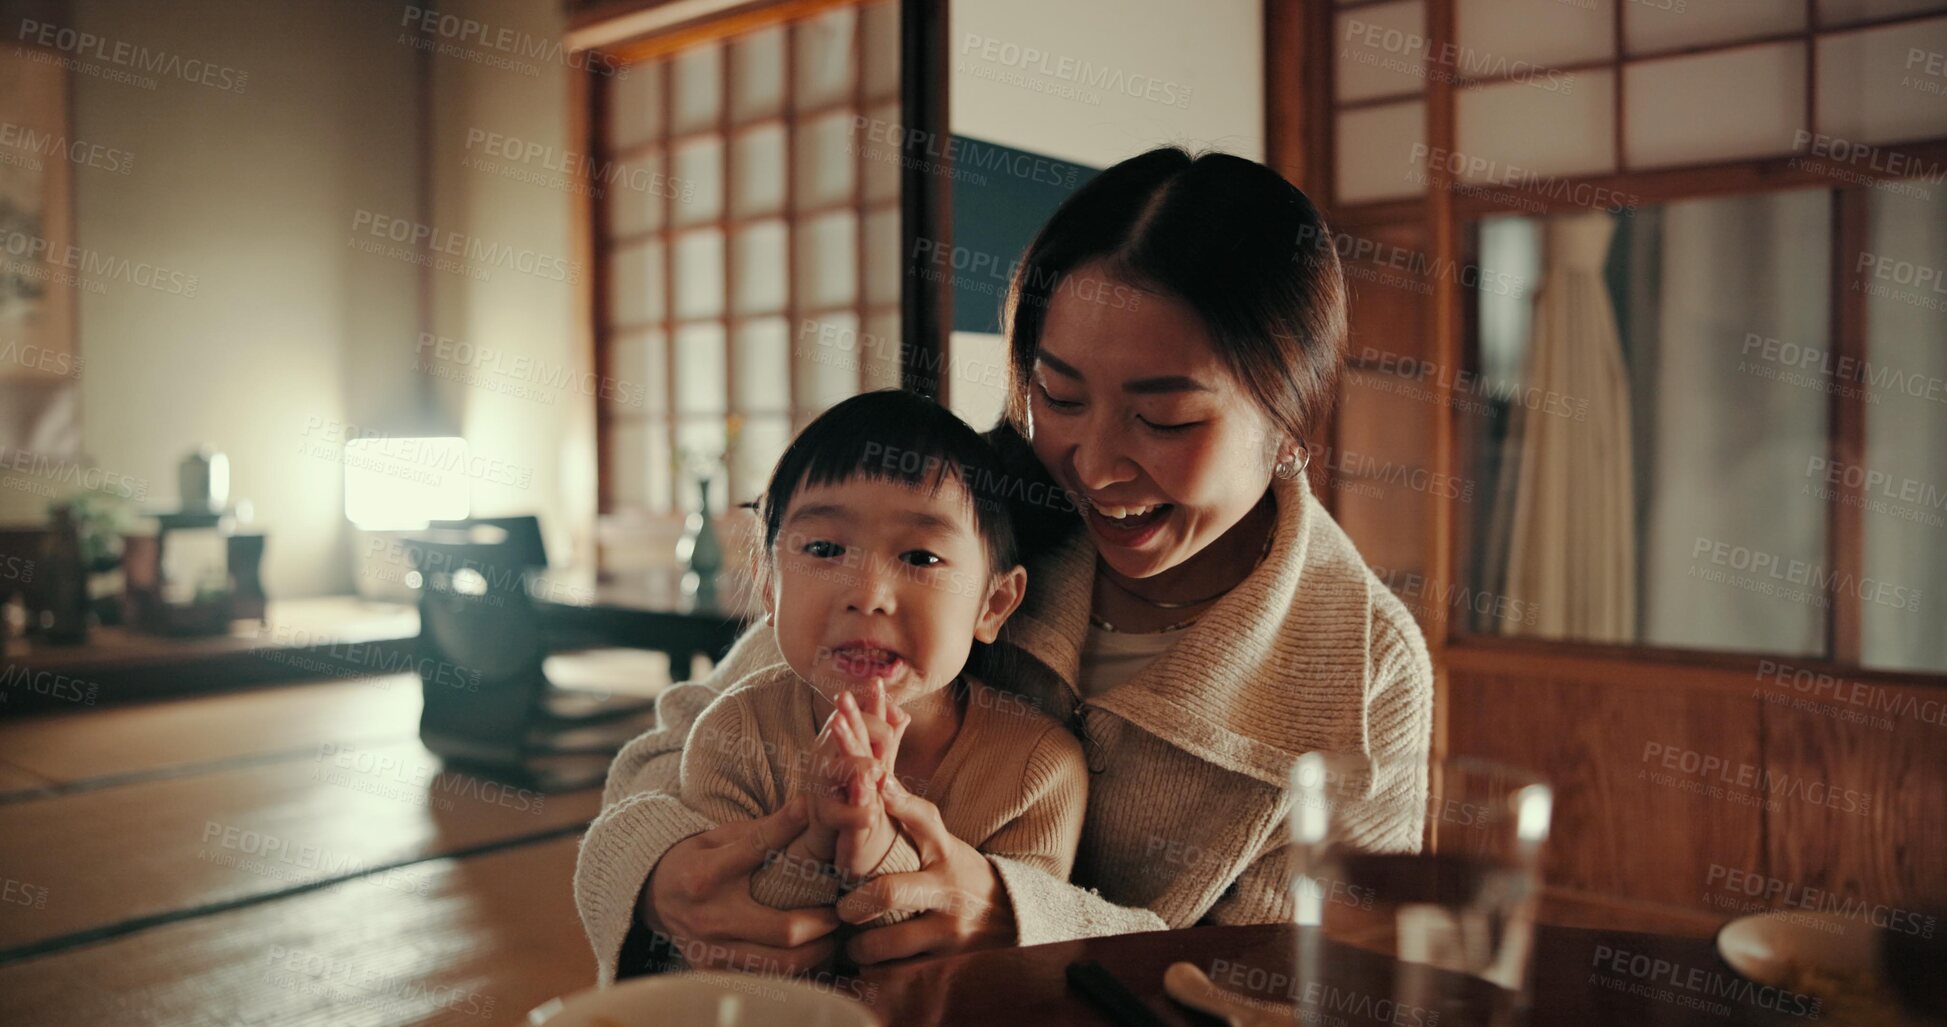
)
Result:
{"points": [[1102, 986]]}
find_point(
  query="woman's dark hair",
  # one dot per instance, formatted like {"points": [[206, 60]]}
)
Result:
{"points": [[897, 437], [1230, 238]]}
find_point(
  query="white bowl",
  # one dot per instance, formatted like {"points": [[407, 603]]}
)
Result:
{"points": [[705, 999], [1766, 946]]}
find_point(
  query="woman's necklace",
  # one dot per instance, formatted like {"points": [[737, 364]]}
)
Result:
{"points": [[1160, 604]]}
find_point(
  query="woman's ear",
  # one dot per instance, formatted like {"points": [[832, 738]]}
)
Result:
{"points": [[1004, 594]]}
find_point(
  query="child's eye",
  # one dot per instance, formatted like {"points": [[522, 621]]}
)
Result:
{"points": [[1058, 404], [921, 558], [824, 550]]}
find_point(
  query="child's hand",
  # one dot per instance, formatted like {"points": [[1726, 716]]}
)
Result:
{"points": [[856, 753]]}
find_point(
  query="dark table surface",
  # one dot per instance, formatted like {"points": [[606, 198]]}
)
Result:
{"points": [[645, 609], [1581, 977]]}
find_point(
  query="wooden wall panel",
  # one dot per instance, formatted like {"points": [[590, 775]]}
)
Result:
{"points": [[1616, 830], [1895, 850]]}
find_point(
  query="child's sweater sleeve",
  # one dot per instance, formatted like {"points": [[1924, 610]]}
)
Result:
{"points": [[726, 775], [1054, 785], [1046, 832]]}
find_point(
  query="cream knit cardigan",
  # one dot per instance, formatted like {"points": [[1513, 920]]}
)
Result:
{"points": [[1186, 806]]}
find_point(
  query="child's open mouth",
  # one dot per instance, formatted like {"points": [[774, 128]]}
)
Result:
{"points": [[866, 661]]}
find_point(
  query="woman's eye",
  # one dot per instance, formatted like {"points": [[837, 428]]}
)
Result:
{"points": [[1058, 404], [1168, 429], [824, 550], [921, 558]]}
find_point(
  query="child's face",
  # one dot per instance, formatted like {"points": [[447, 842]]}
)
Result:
{"points": [[876, 579]]}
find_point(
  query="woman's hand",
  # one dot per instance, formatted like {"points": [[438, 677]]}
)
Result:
{"points": [[957, 894], [699, 896]]}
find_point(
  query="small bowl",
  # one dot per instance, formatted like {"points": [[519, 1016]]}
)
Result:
{"points": [[707, 999], [1767, 947]]}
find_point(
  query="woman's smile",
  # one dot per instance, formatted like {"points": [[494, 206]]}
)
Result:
{"points": [[1137, 526]]}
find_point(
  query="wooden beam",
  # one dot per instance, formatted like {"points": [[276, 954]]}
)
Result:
{"points": [[925, 194], [1846, 429]]}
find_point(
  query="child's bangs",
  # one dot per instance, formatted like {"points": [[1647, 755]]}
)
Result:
{"points": [[911, 461]]}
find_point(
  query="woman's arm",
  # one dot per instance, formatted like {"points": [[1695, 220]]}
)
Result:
{"points": [[644, 827], [967, 899]]}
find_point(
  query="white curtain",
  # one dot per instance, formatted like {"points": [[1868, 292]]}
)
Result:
{"points": [[1571, 540]]}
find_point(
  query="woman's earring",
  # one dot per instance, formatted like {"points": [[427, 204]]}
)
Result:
{"points": [[1294, 465]]}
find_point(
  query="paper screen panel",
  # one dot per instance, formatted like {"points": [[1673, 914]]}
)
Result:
{"points": [[882, 263], [1884, 85], [697, 79], [638, 368], [825, 163], [1844, 12], [1665, 26], [700, 374], [828, 368], [757, 75], [1514, 128], [881, 67], [757, 172], [1501, 37], [880, 141], [699, 274], [757, 266], [699, 166], [1376, 158], [636, 192], [826, 260], [1380, 51], [763, 363], [628, 464], [880, 350], [760, 442], [825, 60], [1726, 105], [636, 284], [635, 109]]}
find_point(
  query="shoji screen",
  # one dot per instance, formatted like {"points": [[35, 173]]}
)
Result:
{"points": [[749, 238]]}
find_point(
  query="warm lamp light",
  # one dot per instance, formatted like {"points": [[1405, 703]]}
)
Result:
{"points": [[402, 484]]}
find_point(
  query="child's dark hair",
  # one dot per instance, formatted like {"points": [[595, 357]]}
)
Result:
{"points": [[899, 437]]}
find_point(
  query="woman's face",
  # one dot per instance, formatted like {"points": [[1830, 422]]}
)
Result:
{"points": [[1132, 409]]}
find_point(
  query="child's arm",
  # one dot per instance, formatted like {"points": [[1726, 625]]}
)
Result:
{"points": [[850, 833], [1048, 830], [726, 776], [1044, 835]]}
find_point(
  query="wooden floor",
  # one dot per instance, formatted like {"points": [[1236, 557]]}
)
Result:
{"points": [[281, 856]]}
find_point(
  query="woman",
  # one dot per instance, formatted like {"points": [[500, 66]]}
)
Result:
{"points": [[1195, 615]]}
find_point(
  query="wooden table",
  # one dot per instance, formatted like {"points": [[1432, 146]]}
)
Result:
{"points": [[1576, 973], [649, 609]]}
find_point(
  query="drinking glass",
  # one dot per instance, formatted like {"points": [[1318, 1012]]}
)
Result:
{"points": [[1415, 889]]}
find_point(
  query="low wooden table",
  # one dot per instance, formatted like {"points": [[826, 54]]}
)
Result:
{"points": [[645, 609]]}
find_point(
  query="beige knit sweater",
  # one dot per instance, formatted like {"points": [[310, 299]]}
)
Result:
{"points": [[1186, 808], [1012, 783]]}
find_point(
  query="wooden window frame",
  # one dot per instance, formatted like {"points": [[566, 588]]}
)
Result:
{"points": [[923, 203], [1301, 114]]}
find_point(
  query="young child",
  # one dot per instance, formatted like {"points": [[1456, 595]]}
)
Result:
{"points": [[885, 557]]}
